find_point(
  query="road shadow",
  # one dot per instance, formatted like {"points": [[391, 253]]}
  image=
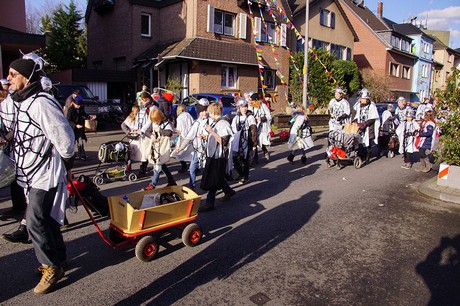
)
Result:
{"points": [[230, 252], [441, 272]]}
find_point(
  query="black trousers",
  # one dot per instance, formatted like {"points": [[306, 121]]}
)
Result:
{"points": [[44, 231]]}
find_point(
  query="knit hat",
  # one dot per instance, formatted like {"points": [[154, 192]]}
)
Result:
{"points": [[78, 100], [26, 68], [242, 102], [201, 105], [254, 96]]}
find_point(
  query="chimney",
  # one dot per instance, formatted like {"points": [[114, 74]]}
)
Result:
{"points": [[380, 9]]}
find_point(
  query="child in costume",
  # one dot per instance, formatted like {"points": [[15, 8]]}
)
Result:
{"points": [[299, 134]]}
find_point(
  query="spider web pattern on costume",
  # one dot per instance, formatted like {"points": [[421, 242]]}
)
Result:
{"points": [[31, 148]]}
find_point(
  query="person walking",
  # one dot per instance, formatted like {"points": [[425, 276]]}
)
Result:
{"points": [[300, 134], [141, 124], [261, 112], [219, 132], [183, 123], [43, 152], [76, 115], [244, 128], [161, 132], [406, 131], [426, 140], [339, 109], [198, 136], [368, 119]]}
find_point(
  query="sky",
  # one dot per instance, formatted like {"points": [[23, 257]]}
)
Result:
{"points": [[437, 14]]}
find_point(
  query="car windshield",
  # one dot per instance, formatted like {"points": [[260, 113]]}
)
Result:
{"points": [[65, 91]]}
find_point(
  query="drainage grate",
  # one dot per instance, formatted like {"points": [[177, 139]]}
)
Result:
{"points": [[259, 299]]}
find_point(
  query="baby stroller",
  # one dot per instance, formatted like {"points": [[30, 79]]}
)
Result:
{"points": [[343, 147], [115, 163], [388, 141]]}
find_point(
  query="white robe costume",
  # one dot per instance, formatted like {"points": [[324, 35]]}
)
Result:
{"points": [[364, 113]]}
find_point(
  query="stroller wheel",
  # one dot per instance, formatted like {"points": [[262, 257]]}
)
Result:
{"points": [[98, 180], [358, 162], [132, 177], [391, 154]]}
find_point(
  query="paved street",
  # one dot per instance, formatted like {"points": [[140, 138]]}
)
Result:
{"points": [[294, 235]]}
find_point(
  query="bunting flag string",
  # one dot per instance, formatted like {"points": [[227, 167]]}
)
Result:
{"points": [[272, 45], [302, 39], [258, 49]]}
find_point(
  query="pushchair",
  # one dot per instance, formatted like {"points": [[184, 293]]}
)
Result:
{"points": [[343, 147], [115, 163], [388, 140]]}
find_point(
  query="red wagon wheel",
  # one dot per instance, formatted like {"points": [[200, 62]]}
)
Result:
{"points": [[146, 248], [192, 234]]}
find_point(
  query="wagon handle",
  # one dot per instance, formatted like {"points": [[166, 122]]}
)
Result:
{"points": [[80, 198]]}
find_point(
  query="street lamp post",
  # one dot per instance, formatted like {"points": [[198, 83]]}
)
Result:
{"points": [[305, 61]]}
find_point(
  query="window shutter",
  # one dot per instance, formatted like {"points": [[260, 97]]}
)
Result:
{"points": [[210, 25], [283, 42], [258, 25], [333, 20], [243, 25]]}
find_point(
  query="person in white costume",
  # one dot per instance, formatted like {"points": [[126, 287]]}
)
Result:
{"points": [[339, 109], [43, 151], [261, 112], [299, 134], [407, 131], [183, 123], [368, 119]]}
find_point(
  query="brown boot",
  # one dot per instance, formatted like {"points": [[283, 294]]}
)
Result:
{"points": [[51, 275], [422, 165], [428, 165]]}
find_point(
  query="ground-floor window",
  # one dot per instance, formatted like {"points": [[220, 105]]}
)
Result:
{"points": [[229, 76]]}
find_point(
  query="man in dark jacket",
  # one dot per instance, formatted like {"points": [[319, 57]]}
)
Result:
{"points": [[77, 116]]}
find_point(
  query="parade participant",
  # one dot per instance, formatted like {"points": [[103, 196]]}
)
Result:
{"points": [[367, 117], [299, 134], [339, 109], [160, 127], [183, 123], [425, 141], [143, 120], [198, 135], [422, 108], [165, 104], [244, 128], [406, 132], [42, 167], [220, 132], [77, 116], [261, 112], [18, 199], [401, 111]]}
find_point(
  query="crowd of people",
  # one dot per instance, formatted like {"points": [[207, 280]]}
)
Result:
{"points": [[40, 136]]}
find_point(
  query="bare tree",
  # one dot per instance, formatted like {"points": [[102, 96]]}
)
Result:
{"points": [[377, 84]]}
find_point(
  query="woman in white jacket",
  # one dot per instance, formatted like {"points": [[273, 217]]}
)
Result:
{"points": [[183, 123]]}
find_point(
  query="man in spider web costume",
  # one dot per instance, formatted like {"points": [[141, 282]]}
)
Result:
{"points": [[43, 150]]}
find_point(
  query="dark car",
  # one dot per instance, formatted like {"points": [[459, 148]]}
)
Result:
{"points": [[227, 102], [93, 106]]}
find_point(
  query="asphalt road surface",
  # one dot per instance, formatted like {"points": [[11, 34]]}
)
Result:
{"points": [[293, 235]]}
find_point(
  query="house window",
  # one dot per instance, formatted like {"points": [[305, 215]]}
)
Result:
{"points": [[224, 23], [229, 76], [327, 18], [120, 63], [338, 51], [406, 72], [396, 42], [348, 54], [405, 45], [271, 35], [146, 25], [394, 69], [270, 78], [425, 71], [319, 44]]}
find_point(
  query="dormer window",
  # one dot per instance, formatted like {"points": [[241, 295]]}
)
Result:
{"points": [[327, 18]]}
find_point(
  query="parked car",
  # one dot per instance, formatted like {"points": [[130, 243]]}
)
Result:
{"points": [[227, 101], [103, 110]]}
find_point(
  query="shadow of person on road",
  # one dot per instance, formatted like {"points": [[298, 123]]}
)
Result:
{"points": [[441, 272], [230, 252]]}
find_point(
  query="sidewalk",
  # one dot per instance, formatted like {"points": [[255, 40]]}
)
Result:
{"points": [[430, 188]]}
